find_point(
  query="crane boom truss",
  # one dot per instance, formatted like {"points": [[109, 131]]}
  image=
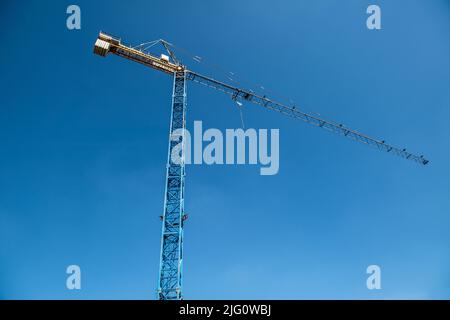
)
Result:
{"points": [[237, 93], [106, 43]]}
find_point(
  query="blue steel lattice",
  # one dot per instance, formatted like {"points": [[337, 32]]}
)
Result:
{"points": [[171, 259]]}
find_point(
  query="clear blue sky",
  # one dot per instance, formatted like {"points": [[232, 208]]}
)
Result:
{"points": [[83, 144]]}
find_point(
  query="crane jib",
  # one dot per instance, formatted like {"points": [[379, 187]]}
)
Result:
{"points": [[107, 44], [296, 113]]}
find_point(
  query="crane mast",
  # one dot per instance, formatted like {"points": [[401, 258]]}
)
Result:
{"points": [[171, 259], [171, 255]]}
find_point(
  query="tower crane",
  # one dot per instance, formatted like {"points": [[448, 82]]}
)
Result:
{"points": [[171, 255]]}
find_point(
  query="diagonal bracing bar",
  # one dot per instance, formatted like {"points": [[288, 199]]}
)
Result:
{"points": [[171, 259]]}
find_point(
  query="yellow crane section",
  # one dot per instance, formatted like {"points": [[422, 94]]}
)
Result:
{"points": [[108, 44]]}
